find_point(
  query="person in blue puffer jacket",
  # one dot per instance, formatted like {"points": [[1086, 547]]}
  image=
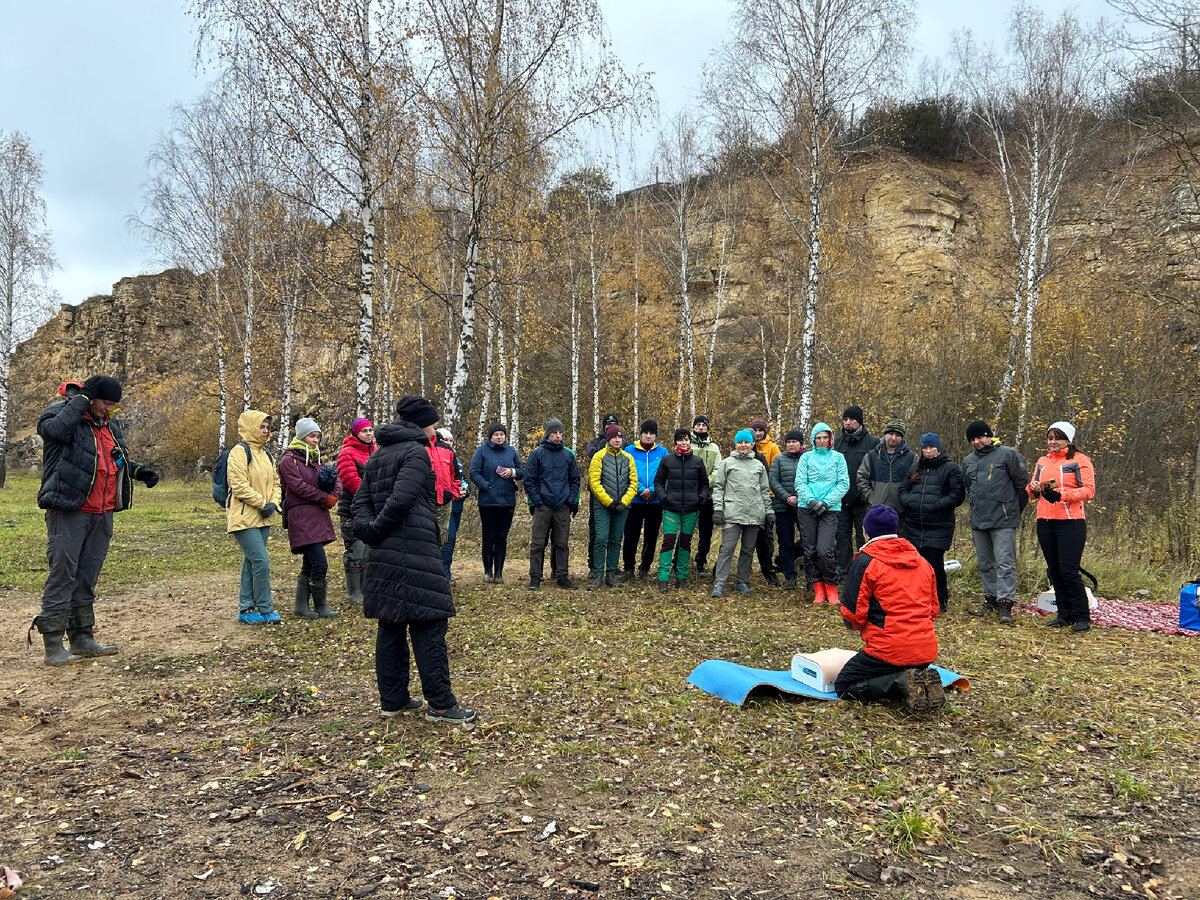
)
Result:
{"points": [[495, 470], [822, 480], [645, 512]]}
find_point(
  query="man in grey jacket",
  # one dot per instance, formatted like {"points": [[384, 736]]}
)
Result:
{"points": [[995, 476], [889, 464]]}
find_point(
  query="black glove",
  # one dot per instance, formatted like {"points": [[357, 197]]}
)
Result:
{"points": [[367, 534], [91, 387], [771, 520], [447, 497], [813, 505], [1051, 494], [269, 510], [327, 477], [573, 505], [718, 517], [617, 507], [821, 508], [146, 476]]}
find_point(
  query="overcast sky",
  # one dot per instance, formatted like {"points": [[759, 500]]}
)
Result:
{"points": [[92, 83]]}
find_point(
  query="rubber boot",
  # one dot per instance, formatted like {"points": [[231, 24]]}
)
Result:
{"points": [[354, 587], [818, 593], [81, 621], [320, 606], [303, 591], [831, 595], [52, 625], [989, 606], [1004, 610]]}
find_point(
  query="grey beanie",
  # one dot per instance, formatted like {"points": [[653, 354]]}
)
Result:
{"points": [[305, 427], [553, 425]]}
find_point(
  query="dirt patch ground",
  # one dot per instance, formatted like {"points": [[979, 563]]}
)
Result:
{"points": [[210, 759]]}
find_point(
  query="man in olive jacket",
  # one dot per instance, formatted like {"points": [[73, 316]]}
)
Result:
{"points": [[87, 475]]}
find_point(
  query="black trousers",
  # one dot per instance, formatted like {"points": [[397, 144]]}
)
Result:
{"points": [[645, 521], [495, 523], [936, 557], [429, 652], [548, 522], [791, 541], [764, 546], [865, 678], [1062, 543], [849, 534], [591, 537], [313, 563], [704, 530]]}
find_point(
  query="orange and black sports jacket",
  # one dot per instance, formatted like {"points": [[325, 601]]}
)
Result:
{"points": [[891, 597]]}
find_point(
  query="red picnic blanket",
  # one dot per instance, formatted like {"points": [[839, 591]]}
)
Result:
{"points": [[1162, 617]]}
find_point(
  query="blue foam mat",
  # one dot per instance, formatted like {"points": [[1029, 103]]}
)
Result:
{"points": [[735, 683]]}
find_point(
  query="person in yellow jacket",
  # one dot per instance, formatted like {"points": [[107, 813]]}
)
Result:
{"points": [[254, 500], [612, 479], [767, 450]]}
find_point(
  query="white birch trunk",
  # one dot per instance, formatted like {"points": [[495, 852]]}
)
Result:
{"points": [[486, 400], [808, 344], [516, 361], [595, 317], [366, 212], [6, 352], [248, 332], [291, 310], [420, 316], [575, 342], [502, 358], [762, 355], [466, 336]]}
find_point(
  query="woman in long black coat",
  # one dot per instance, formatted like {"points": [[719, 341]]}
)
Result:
{"points": [[929, 497], [404, 581]]}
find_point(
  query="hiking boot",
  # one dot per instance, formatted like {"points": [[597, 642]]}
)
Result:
{"points": [[1004, 610], [680, 584], [535, 584], [497, 579], [1058, 622], [790, 584], [1078, 627], [643, 574], [252, 617], [773, 580], [597, 583], [564, 582], [354, 589], [923, 692], [702, 573], [664, 586], [455, 715], [611, 579], [411, 706], [487, 579], [718, 590], [302, 609], [624, 575], [320, 607], [742, 588], [989, 606]]}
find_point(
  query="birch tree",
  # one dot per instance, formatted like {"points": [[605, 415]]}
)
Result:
{"points": [[789, 82], [26, 258], [331, 69], [505, 80], [1036, 106]]}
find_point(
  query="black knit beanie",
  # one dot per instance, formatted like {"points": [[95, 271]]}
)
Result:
{"points": [[494, 427], [105, 387], [794, 435], [417, 410], [699, 419], [853, 412], [978, 428], [682, 433], [651, 426]]}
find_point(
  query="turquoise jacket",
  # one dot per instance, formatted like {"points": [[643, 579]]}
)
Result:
{"points": [[821, 474]]}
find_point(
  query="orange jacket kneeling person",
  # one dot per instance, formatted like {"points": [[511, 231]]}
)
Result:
{"points": [[890, 597]]}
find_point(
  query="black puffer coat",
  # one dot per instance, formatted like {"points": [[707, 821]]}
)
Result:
{"points": [[930, 503], [854, 445], [396, 516], [69, 456], [681, 482]]}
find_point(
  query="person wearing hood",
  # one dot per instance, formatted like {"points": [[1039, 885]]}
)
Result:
{"points": [[87, 475], [445, 438], [782, 479], [995, 477], [710, 452], [741, 507], [404, 582], [645, 512], [891, 600], [1062, 481], [495, 470], [552, 490], [885, 468], [594, 446], [310, 490], [254, 499], [612, 480], [929, 498], [767, 450], [821, 482], [854, 442], [357, 448], [447, 473], [681, 484]]}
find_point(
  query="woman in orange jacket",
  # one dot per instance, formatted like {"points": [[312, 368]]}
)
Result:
{"points": [[1062, 480]]}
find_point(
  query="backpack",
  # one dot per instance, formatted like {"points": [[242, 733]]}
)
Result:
{"points": [[220, 475]]}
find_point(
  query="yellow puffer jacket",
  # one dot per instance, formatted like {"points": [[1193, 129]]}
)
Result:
{"points": [[251, 486]]}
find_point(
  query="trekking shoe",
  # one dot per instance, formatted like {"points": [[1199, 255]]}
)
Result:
{"points": [[643, 574], [719, 590], [1004, 610], [487, 579], [497, 579], [597, 583], [455, 715], [680, 584], [923, 690], [271, 618], [566, 583], [773, 580], [534, 584], [664, 586], [411, 706], [1058, 622], [702, 573], [742, 588], [251, 617], [611, 579], [790, 584], [1081, 627], [988, 607]]}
